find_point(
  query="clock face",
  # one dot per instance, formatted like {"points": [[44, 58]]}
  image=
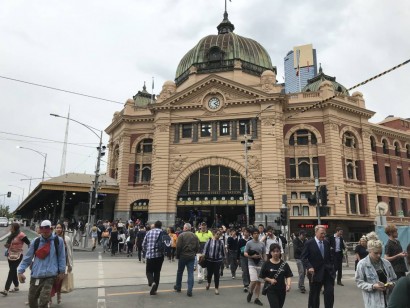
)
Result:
{"points": [[214, 103]]}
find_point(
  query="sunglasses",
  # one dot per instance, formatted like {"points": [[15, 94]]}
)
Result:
{"points": [[45, 228]]}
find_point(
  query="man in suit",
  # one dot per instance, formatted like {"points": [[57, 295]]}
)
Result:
{"points": [[338, 246], [318, 259]]}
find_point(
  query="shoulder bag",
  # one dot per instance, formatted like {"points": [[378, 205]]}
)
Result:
{"points": [[267, 285]]}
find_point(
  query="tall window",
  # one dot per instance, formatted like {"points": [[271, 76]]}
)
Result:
{"points": [[349, 140], [397, 148], [206, 129], [302, 137], [244, 127], [400, 179], [143, 158], [373, 143], [224, 128], [392, 207], [304, 167], [387, 170], [353, 203], [376, 173], [186, 130], [408, 150], [385, 147], [116, 158]]}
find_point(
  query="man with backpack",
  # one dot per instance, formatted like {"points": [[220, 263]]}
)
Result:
{"points": [[48, 259], [153, 246]]}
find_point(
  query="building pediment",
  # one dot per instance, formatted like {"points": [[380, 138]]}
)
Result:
{"points": [[223, 90]]}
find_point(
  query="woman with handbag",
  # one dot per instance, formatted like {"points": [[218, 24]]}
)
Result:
{"points": [[214, 252], [68, 246], [14, 245], [277, 275]]}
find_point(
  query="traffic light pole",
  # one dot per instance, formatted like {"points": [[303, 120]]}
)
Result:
{"points": [[317, 201]]}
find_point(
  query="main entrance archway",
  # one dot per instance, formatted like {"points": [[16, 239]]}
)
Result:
{"points": [[214, 194], [139, 210]]}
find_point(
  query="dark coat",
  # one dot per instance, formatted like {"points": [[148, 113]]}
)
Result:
{"points": [[332, 241], [311, 257]]}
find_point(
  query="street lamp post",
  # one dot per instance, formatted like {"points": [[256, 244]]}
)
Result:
{"points": [[94, 186], [246, 142], [38, 152], [28, 177]]}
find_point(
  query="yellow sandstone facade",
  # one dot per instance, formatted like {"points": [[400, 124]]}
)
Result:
{"points": [[179, 155]]}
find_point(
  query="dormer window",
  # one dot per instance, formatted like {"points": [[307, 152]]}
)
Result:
{"points": [[215, 54]]}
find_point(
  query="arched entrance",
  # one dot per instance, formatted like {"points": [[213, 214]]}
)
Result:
{"points": [[214, 194], [139, 210]]}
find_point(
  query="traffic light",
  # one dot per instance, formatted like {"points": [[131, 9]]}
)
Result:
{"points": [[8, 194], [312, 200], [323, 195], [284, 216]]}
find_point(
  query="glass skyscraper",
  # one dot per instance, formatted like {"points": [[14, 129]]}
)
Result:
{"points": [[299, 61]]}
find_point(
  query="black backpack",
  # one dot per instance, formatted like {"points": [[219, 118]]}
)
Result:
{"points": [[163, 243]]}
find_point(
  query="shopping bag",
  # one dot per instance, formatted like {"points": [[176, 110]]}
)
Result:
{"points": [[67, 285]]}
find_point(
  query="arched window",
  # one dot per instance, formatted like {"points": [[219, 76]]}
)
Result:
{"points": [[304, 167], [115, 159], [349, 140], [144, 146], [302, 137], [397, 148], [385, 146], [373, 143], [143, 159]]}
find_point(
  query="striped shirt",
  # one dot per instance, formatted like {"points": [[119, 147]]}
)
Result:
{"points": [[214, 250], [150, 246]]}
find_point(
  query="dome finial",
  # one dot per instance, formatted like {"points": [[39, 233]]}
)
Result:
{"points": [[225, 26], [144, 88], [320, 68]]}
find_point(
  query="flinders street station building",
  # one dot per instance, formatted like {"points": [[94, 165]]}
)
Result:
{"points": [[224, 123]]}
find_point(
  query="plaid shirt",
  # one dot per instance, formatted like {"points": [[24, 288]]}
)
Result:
{"points": [[149, 243]]}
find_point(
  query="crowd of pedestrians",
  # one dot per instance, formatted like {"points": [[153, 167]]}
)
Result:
{"points": [[258, 252]]}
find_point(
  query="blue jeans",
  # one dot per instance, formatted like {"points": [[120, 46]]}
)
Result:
{"points": [[189, 263]]}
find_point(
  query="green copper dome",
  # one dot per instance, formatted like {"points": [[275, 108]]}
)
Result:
{"points": [[314, 83], [216, 53]]}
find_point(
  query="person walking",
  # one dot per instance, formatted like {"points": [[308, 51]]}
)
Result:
{"points": [[187, 246], [374, 275], [360, 251], [173, 247], [270, 238], [130, 239], [48, 265], [255, 252], [244, 260], [214, 252], [114, 240], [105, 237], [68, 246], [393, 252], [337, 245], [154, 255], [140, 238], [203, 236], [233, 252], [94, 236], [14, 244], [400, 296], [298, 243], [317, 257], [277, 275]]}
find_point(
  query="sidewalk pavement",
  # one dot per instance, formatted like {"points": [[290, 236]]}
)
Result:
{"points": [[106, 271]]}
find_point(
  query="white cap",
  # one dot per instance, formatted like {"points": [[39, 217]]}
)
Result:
{"points": [[45, 223]]}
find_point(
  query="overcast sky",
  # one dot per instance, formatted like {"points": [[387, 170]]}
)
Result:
{"points": [[108, 49]]}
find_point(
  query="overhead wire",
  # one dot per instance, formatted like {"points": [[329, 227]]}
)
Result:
{"points": [[351, 88], [61, 90]]}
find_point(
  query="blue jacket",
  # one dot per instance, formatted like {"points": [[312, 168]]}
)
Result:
{"points": [[47, 267]]}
